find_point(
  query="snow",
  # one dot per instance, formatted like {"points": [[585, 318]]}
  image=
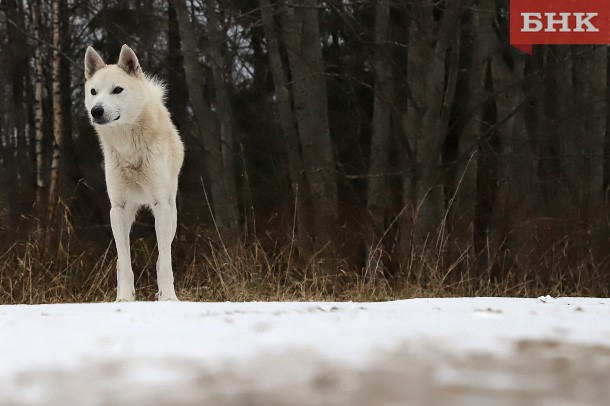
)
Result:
{"points": [[186, 353]]}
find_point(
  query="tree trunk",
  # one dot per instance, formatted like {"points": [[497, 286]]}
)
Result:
{"points": [[516, 196], [465, 178], [177, 92], [224, 112], [302, 36], [596, 214], [304, 231], [17, 116], [38, 117], [559, 105], [380, 134], [432, 69], [563, 173], [57, 114], [223, 203]]}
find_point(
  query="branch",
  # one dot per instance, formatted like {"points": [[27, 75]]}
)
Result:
{"points": [[29, 35]]}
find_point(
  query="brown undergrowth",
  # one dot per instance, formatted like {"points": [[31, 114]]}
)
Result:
{"points": [[74, 269]]}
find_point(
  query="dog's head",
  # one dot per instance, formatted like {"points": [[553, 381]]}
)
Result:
{"points": [[114, 93]]}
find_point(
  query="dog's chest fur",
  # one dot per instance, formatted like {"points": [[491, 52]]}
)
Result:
{"points": [[129, 153]]}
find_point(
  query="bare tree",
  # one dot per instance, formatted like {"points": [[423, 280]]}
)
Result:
{"points": [[594, 151], [224, 201], [288, 126], [16, 86], [466, 168], [57, 113], [432, 70], [224, 113], [38, 117], [302, 35], [516, 197], [562, 186], [380, 134]]}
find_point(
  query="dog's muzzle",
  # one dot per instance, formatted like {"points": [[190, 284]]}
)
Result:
{"points": [[99, 116], [97, 113]]}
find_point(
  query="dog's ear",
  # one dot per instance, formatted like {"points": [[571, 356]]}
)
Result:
{"points": [[93, 62], [128, 61]]}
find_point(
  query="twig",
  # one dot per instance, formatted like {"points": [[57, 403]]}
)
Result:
{"points": [[205, 194]]}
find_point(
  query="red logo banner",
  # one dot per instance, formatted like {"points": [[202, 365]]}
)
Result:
{"points": [[559, 22]]}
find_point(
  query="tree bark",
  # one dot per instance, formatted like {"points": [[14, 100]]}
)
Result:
{"points": [[302, 36], [597, 217], [17, 115], [463, 209], [224, 112], [380, 134], [432, 69], [516, 197], [304, 231], [57, 113], [563, 186], [223, 202], [38, 117], [177, 92]]}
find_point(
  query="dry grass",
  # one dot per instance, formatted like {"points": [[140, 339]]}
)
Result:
{"points": [[29, 274], [62, 266], [70, 271]]}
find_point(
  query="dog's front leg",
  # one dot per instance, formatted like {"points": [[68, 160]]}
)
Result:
{"points": [[165, 228], [121, 219]]}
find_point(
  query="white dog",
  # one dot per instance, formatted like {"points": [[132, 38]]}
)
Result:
{"points": [[143, 155]]}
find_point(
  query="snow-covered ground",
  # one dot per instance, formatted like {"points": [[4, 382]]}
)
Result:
{"points": [[470, 351]]}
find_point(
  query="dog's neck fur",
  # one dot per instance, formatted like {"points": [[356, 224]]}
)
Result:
{"points": [[129, 144]]}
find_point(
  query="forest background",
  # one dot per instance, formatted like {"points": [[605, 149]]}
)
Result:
{"points": [[341, 149]]}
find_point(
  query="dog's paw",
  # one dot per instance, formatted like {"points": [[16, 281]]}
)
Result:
{"points": [[167, 298], [126, 298]]}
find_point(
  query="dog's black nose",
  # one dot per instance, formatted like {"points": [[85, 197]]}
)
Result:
{"points": [[97, 112]]}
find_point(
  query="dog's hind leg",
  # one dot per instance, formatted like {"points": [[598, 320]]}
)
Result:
{"points": [[165, 228], [121, 219]]}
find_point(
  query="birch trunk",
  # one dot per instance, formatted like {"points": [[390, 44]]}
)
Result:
{"points": [[57, 113], [38, 130]]}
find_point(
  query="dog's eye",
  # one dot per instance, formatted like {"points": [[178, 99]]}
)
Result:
{"points": [[117, 90], [93, 92]]}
